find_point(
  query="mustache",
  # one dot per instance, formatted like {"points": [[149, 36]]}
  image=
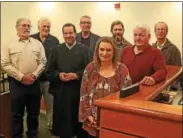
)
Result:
{"points": [[117, 37], [117, 34]]}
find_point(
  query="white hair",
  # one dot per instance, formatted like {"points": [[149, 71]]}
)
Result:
{"points": [[42, 20], [143, 27], [19, 20]]}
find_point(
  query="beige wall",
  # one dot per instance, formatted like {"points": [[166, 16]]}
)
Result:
{"points": [[131, 13]]}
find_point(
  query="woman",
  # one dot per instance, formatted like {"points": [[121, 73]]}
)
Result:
{"points": [[101, 77]]}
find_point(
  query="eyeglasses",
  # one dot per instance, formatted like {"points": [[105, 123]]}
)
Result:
{"points": [[25, 25], [85, 22], [46, 26], [161, 29]]}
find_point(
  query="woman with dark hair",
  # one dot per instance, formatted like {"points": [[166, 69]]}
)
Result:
{"points": [[103, 76]]}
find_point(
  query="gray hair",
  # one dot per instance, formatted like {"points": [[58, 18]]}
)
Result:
{"points": [[143, 27], [19, 20], [85, 16], [43, 19], [161, 22]]}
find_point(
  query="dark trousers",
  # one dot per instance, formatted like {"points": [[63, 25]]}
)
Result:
{"points": [[65, 113], [89, 136], [81, 133], [22, 97]]}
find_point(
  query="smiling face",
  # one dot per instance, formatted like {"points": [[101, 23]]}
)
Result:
{"points": [[44, 27], [161, 30], [23, 29], [69, 35], [85, 24], [117, 32], [106, 52]]}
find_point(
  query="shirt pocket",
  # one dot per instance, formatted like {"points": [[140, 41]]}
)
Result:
{"points": [[36, 54], [15, 55]]}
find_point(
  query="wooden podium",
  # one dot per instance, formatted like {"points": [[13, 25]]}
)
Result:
{"points": [[137, 116]]}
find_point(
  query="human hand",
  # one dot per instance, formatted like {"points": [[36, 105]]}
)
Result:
{"points": [[92, 121], [148, 81], [64, 77], [33, 76], [72, 76], [28, 79]]}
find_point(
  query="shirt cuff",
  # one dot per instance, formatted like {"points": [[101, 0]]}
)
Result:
{"points": [[20, 76], [35, 74]]}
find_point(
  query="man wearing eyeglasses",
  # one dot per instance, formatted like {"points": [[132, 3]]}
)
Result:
{"points": [[24, 60], [86, 37], [49, 42], [169, 50]]}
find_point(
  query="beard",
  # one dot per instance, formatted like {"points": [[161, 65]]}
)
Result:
{"points": [[118, 38]]}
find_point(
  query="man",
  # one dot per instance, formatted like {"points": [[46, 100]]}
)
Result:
{"points": [[145, 63], [49, 42], [24, 60], [169, 50], [65, 68], [86, 37], [117, 30]]}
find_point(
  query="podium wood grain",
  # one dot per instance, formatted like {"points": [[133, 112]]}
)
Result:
{"points": [[138, 116]]}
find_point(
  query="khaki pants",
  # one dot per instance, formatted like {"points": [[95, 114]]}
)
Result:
{"points": [[48, 100]]}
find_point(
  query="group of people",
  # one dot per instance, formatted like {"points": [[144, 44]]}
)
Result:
{"points": [[73, 74]]}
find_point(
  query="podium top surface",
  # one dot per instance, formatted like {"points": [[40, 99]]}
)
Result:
{"points": [[141, 102]]}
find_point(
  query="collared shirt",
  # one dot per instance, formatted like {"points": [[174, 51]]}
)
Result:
{"points": [[70, 47], [150, 62], [161, 46], [22, 57]]}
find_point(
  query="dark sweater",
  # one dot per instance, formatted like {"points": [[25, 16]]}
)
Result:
{"points": [[49, 44]]}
